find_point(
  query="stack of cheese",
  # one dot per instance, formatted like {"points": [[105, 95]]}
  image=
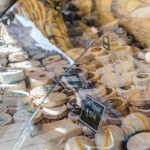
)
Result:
{"points": [[140, 101]]}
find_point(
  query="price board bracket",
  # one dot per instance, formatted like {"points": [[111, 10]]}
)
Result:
{"points": [[106, 43]]}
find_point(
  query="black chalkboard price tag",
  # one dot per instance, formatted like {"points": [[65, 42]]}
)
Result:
{"points": [[92, 113], [106, 43], [72, 80]]}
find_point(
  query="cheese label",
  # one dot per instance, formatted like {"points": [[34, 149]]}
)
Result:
{"points": [[92, 113], [106, 43], [72, 80]]}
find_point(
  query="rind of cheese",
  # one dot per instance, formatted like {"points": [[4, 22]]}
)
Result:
{"points": [[9, 76]]}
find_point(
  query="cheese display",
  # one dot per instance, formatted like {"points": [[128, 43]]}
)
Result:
{"points": [[76, 75]]}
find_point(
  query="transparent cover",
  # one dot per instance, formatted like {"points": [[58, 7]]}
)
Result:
{"points": [[75, 75]]}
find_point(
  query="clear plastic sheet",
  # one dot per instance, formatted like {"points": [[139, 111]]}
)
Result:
{"points": [[57, 58]]}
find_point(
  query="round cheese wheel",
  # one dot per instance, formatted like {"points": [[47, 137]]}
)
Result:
{"points": [[3, 108], [114, 45], [124, 66], [113, 118], [9, 75], [103, 57], [39, 79], [125, 91], [15, 98], [123, 51], [87, 57], [89, 66], [115, 80], [141, 79], [110, 93], [13, 109], [135, 122], [140, 98], [143, 109], [139, 141], [79, 143], [95, 50], [92, 77], [25, 64], [55, 112], [17, 57], [30, 71], [118, 103], [75, 51], [49, 60], [5, 119], [109, 137], [52, 100], [15, 86], [25, 115], [13, 48], [41, 91]]}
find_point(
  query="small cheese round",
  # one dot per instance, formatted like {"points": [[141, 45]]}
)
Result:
{"points": [[79, 143], [9, 75], [25, 115], [15, 86], [41, 91], [139, 141], [115, 80], [39, 79], [103, 57], [55, 112], [140, 98], [141, 79], [17, 57], [124, 66], [15, 98], [123, 51], [49, 60], [135, 122], [109, 137], [52, 100]]}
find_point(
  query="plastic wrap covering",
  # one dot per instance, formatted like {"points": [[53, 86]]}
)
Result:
{"points": [[75, 75]]}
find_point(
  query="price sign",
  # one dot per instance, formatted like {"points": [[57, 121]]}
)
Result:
{"points": [[106, 43], [72, 80], [92, 113]]}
